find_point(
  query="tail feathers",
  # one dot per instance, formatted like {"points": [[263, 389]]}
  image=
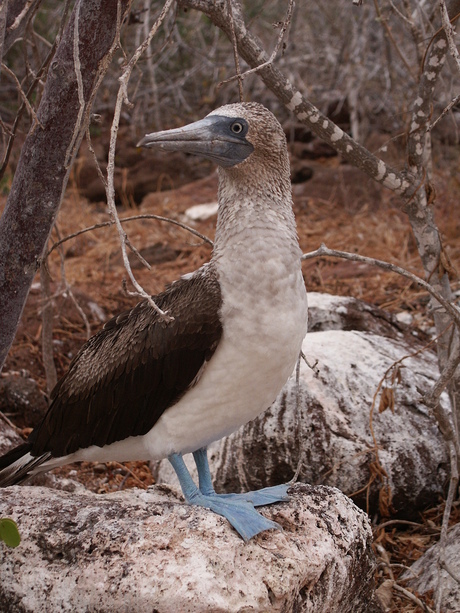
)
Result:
{"points": [[19, 464]]}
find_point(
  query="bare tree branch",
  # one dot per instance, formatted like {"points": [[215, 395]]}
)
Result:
{"points": [[47, 329], [453, 485], [19, 15], [235, 54], [254, 54], [21, 92], [134, 218], [40, 73], [3, 11], [283, 29], [450, 308], [122, 97], [41, 176]]}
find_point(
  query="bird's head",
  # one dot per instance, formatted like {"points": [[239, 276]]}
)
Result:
{"points": [[228, 136]]}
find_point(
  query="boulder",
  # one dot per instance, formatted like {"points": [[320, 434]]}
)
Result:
{"points": [[9, 437], [21, 399], [324, 423], [148, 551], [423, 574]]}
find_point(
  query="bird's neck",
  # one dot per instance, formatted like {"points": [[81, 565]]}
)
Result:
{"points": [[257, 260], [255, 217]]}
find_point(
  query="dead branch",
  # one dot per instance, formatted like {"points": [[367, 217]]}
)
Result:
{"points": [[40, 73], [235, 54], [126, 219], [3, 11], [41, 177], [122, 98], [453, 485], [19, 16], [253, 53], [410, 596], [450, 33], [450, 308], [47, 329], [284, 25], [431, 400], [449, 570]]}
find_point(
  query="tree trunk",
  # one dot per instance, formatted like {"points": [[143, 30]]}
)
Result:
{"points": [[81, 60]]}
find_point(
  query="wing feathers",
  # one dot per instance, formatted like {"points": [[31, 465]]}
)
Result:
{"points": [[129, 373]]}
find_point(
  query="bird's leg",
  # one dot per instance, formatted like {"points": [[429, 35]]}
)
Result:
{"points": [[259, 498], [239, 512], [204, 474], [189, 489]]}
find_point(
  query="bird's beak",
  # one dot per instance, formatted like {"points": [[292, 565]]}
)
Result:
{"points": [[210, 137]]}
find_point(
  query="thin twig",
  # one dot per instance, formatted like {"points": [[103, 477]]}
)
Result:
{"points": [[385, 563], [431, 399], [126, 219], [94, 156], [122, 98], [412, 597], [81, 96], [404, 522], [453, 485], [450, 33], [389, 33], [235, 50], [9, 422], [449, 570], [129, 473], [32, 86], [21, 92], [300, 462], [325, 251], [451, 104], [47, 328], [68, 290], [284, 26]]}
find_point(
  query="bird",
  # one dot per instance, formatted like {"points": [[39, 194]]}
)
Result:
{"points": [[149, 386]]}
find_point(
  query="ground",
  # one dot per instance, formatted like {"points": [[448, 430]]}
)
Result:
{"points": [[336, 206]]}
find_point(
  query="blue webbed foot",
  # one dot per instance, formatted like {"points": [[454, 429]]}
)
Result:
{"points": [[240, 513], [259, 498], [238, 509]]}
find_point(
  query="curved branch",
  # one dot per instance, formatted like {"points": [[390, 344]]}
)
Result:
{"points": [[122, 97], [450, 308], [254, 54], [125, 219]]}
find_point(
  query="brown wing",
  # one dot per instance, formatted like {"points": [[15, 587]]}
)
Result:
{"points": [[130, 372]]}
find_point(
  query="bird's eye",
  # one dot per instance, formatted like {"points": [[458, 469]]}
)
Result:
{"points": [[237, 127]]}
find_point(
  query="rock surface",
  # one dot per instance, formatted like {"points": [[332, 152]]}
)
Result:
{"points": [[148, 551], [425, 571], [326, 424], [21, 399], [9, 438]]}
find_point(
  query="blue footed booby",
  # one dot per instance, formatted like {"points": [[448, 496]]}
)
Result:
{"points": [[147, 388]]}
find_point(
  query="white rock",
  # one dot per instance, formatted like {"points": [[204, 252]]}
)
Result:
{"points": [[143, 551], [9, 438], [201, 212], [405, 317], [425, 571]]}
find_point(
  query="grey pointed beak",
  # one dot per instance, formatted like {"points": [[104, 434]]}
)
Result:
{"points": [[210, 137]]}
